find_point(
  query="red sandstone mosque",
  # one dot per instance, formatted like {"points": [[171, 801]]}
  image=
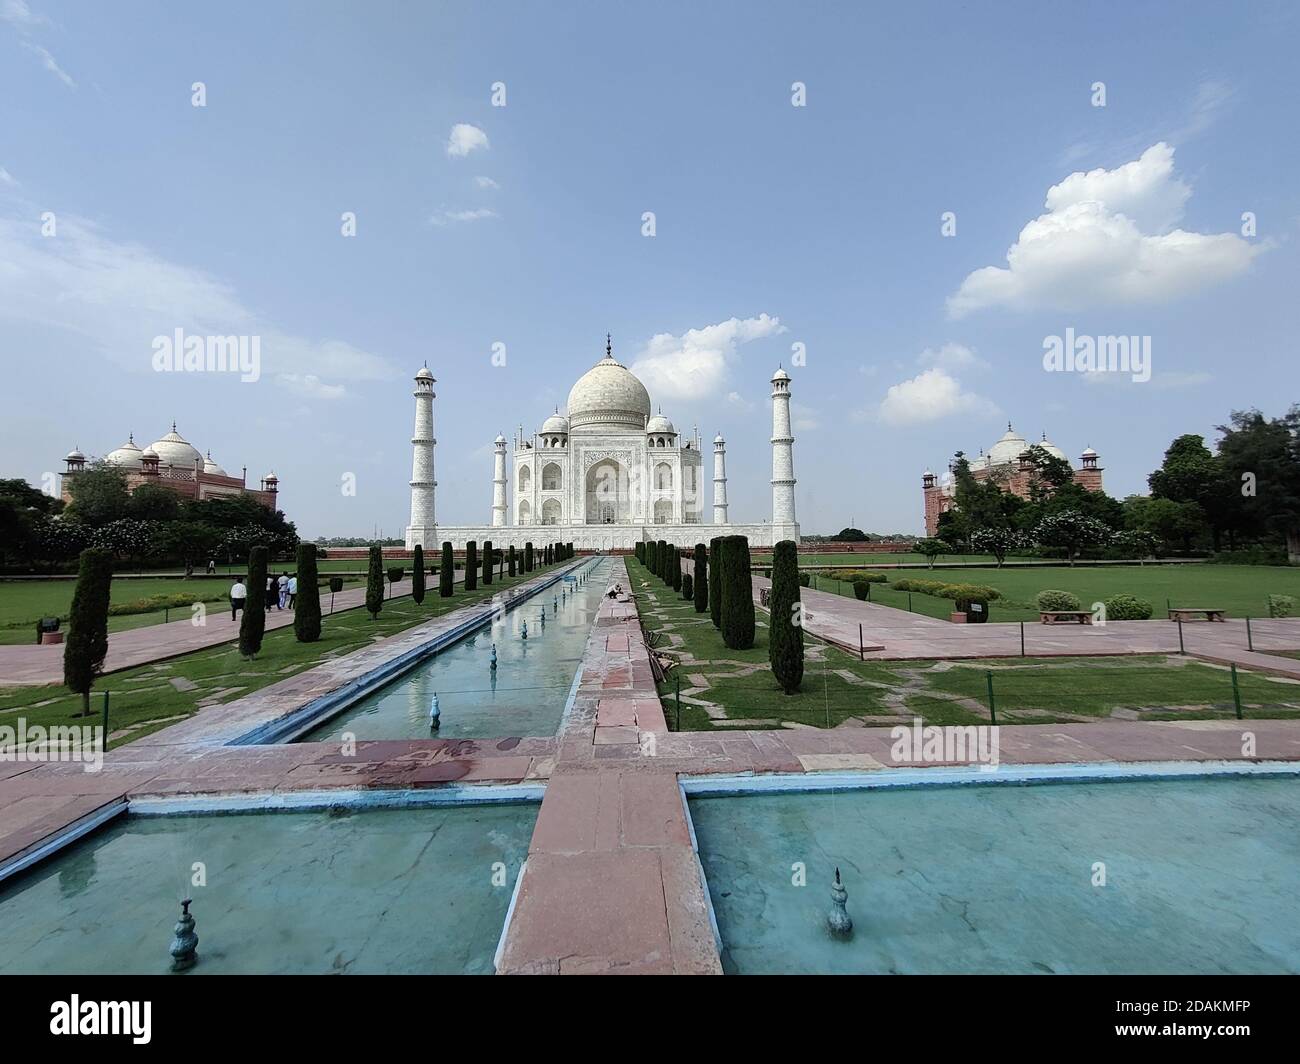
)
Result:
{"points": [[1008, 462], [177, 465]]}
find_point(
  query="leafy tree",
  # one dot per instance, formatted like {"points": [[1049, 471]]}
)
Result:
{"points": [[417, 575], [446, 571], [306, 611], [1072, 531], [931, 549], [252, 625], [851, 535], [997, 541], [785, 636], [487, 562], [1174, 524], [153, 502], [701, 578], [737, 594], [99, 494], [87, 640], [471, 565], [1260, 459], [715, 581], [375, 582]]}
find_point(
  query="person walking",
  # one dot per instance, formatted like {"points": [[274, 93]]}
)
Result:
{"points": [[272, 593], [238, 596], [293, 591], [282, 586], [212, 566]]}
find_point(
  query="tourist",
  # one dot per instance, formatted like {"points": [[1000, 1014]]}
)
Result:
{"points": [[189, 569], [272, 593], [212, 566], [293, 591], [238, 596], [282, 586]]}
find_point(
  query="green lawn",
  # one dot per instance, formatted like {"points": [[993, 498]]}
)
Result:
{"points": [[1026, 690], [865, 560], [143, 700], [1240, 589]]}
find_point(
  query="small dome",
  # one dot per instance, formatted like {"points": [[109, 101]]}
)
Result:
{"points": [[149, 454], [718, 438], [928, 472], [271, 478], [1088, 452], [557, 422], [1051, 448], [780, 375], [210, 467], [423, 374], [174, 450], [127, 456], [1009, 448], [659, 423], [500, 438], [75, 455]]}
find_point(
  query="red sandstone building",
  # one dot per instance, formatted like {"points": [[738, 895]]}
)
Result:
{"points": [[1008, 462], [177, 465]]}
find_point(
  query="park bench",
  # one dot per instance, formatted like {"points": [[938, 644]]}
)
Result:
{"points": [[1183, 613], [1065, 616]]}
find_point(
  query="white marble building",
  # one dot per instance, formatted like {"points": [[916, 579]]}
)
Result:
{"points": [[604, 474]]}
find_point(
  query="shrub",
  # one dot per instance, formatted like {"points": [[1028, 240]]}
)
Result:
{"points": [[395, 574], [785, 636], [701, 579], [861, 589], [374, 584], [471, 565], [715, 581], [1280, 605], [737, 594], [964, 594], [336, 584], [1056, 600], [1127, 608], [805, 579], [417, 575], [688, 586], [252, 626], [87, 643], [489, 559], [446, 572], [306, 611]]}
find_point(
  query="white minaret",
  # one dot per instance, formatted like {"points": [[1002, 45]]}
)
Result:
{"points": [[499, 483], [719, 480], [784, 524], [421, 530]]}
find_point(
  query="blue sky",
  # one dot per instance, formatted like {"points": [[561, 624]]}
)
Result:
{"points": [[775, 225]]}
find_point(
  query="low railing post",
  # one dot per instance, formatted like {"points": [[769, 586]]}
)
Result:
{"points": [[993, 711], [1236, 691]]}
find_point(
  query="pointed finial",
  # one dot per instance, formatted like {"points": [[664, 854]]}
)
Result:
{"points": [[1009, 429], [173, 424], [609, 346]]}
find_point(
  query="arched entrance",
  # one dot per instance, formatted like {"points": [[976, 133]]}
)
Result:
{"points": [[608, 500]]}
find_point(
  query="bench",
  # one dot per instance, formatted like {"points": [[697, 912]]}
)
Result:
{"points": [[1065, 616], [1176, 613]]}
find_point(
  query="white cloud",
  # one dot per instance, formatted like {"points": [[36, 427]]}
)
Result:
{"points": [[19, 14], [48, 62], [803, 418], [1103, 241], [312, 386], [465, 139], [446, 217], [952, 357], [6, 178], [485, 182], [114, 297], [695, 364], [931, 395]]}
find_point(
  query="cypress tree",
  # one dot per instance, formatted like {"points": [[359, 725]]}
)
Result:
{"points": [[737, 594], [510, 560], [639, 551], [417, 575], [253, 624], [471, 565], [87, 642], [688, 586], [306, 610], [662, 553], [374, 584], [715, 581], [650, 556], [528, 556], [701, 579], [487, 562], [677, 568], [447, 571], [785, 637]]}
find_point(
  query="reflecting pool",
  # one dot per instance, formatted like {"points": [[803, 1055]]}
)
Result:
{"points": [[1152, 876], [393, 890]]}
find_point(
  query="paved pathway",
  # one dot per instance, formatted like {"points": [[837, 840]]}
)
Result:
{"points": [[611, 883], [33, 664]]}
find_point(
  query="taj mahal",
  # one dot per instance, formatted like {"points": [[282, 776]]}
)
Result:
{"points": [[604, 474]]}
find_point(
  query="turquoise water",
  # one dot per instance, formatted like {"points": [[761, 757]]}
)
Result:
{"points": [[401, 891], [1200, 876], [525, 695]]}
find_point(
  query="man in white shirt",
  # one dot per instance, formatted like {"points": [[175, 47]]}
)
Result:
{"points": [[238, 596], [293, 591]]}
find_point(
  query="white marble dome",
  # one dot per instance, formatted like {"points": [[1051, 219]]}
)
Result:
{"points": [[1051, 448], [210, 467], [555, 423], [127, 456], [174, 450], [1009, 448], [608, 396], [660, 424]]}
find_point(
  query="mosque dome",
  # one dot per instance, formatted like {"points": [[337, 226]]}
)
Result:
{"points": [[1051, 448], [1009, 448], [210, 467], [608, 396], [555, 423], [174, 450], [127, 456], [660, 424]]}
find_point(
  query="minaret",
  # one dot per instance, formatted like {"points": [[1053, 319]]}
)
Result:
{"points": [[421, 530], [499, 484], [719, 480], [784, 524]]}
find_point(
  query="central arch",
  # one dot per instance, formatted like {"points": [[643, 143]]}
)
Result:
{"points": [[607, 495]]}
